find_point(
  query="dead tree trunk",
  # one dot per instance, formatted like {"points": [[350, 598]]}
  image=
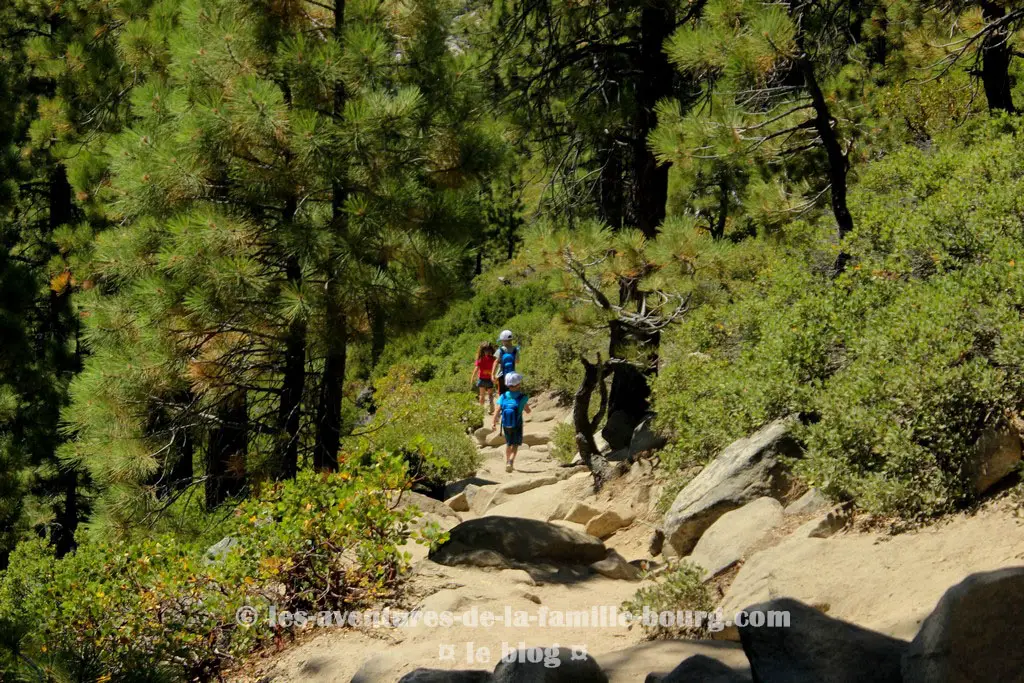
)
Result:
{"points": [[594, 375]]}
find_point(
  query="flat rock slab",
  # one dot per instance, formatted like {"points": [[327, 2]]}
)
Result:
{"points": [[815, 648], [608, 522], [512, 488], [973, 634], [748, 469], [521, 540], [728, 540]]}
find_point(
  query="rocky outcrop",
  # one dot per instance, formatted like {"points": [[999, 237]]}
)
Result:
{"points": [[520, 540], [812, 502], [728, 540], [608, 522], [972, 635], [748, 469], [615, 566], [645, 438], [814, 648], [996, 454]]}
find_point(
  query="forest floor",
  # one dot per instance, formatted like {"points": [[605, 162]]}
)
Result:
{"points": [[867, 576]]}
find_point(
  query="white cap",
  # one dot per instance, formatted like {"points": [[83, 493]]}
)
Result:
{"points": [[513, 379], [505, 335]]}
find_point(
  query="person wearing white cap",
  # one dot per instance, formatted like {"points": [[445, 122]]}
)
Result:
{"points": [[506, 357], [510, 408]]}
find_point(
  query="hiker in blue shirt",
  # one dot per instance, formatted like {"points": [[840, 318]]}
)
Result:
{"points": [[505, 360], [511, 406]]}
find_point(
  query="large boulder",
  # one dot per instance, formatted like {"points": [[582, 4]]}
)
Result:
{"points": [[748, 469], [608, 522], [518, 539], [996, 454], [615, 566], [812, 502], [813, 647], [699, 668], [548, 665], [645, 438], [729, 539], [618, 430], [972, 633], [218, 552], [481, 434], [445, 676]]}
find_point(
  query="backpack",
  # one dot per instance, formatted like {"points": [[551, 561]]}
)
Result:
{"points": [[512, 410], [507, 360]]}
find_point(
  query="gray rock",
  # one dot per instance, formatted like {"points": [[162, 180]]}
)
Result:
{"points": [[815, 648], [729, 539], [656, 543], [552, 665], [581, 513], [607, 523], [481, 435], [445, 676], [217, 552], [972, 635], [823, 526], [810, 503], [618, 430], [615, 566], [459, 502], [699, 669], [519, 539], [748, 469], [645, 438], [996, 454]]}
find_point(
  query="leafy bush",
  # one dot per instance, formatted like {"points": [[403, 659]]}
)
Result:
{"points": [[158, 610], [901, 364], [563, 443], [429, 425], [679, 589]]}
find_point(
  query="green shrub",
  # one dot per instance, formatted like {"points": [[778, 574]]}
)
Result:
{"points": [[900, 364], [563, 443], [158, 610], [429, 425], [681, 588]]}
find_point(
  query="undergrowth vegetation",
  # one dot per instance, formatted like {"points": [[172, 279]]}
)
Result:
{"points": [[163, 609]]}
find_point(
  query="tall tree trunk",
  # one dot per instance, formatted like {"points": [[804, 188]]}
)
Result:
{"points": [[180, 473], [225, 452], [718, 231], [611, 187], [61, 325], [653, 83], [838, 165], [332, 384], [289, 418], [378, 330], [995, 60]]}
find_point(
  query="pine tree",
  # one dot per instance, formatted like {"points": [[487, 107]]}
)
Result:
{"points": [[293, 185]]}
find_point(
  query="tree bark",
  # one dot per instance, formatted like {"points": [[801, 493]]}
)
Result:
{"points": [[593, 378], [332, 384], [611, 186], [718, 232], [838, 165], [995, 60], [328, 419], [653, 83], [293, 384], [225, 452]]}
